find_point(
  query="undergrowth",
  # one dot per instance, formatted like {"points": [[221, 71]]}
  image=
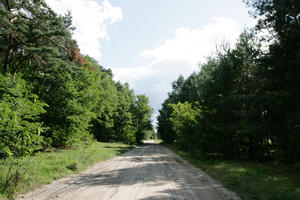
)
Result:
{"points": [[251, 180]]}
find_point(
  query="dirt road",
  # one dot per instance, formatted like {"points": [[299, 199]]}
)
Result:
{"points": [[149, 172]]}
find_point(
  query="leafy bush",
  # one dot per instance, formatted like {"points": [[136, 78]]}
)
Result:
{"points": [[184, 122], [72, 166], [20, 129]]}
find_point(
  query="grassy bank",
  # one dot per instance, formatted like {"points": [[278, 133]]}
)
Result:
{"points": [[158, 140], [43, 168], [252, 181]]}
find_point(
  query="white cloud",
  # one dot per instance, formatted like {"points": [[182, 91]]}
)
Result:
{"points": [[177, 55], [194, 44], [90, 18], [132, 75]]}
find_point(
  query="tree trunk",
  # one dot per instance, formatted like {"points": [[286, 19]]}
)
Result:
{"points": [[15, 70], [42, 84], [251, 150], [7, 59]]}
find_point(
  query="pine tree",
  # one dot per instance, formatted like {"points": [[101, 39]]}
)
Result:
{"points": [[31, 34]]}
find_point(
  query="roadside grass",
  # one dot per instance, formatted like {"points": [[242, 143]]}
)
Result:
{"points": [[45, 167], [251, 180], [158, 141]]}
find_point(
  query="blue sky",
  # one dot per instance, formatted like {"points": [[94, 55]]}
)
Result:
{"points": [[149, 43], [146, 22]]}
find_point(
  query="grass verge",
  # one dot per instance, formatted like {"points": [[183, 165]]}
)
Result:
{"points": [[158, 141], [45, 167], [250, 180]]}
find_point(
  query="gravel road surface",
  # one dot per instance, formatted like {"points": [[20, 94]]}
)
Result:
{"points": [[149, 172]]}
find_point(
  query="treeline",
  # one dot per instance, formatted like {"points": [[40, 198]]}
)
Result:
{"points": [[244, 103], [53, 96]]}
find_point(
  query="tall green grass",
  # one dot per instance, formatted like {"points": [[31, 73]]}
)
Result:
{"points": [[251, 180], [44, 167]]}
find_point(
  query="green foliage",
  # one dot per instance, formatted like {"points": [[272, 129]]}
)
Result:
{"points": [[20, 109], [248, 100], [70, 101], [62, 98], [165, 129], [281, 72], [72, 166], [142, 117], [183, 119], [105, 108], [32, 34], [150, 135], [129, 135], [120, 115], [123, 114], [52, 96]]}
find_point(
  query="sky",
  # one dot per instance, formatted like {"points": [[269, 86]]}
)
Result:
{"points": [[149, 43]]}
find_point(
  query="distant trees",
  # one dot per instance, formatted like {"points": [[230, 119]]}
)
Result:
{"points": [[244, 103], [142, 117], [52, 95]]}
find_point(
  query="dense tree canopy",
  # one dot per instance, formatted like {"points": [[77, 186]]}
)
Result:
{"points": [[142, 116], [52, 95], [244, 103]]}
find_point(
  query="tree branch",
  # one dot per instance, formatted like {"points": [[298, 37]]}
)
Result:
{"points": [[7, 5], [39, 59], [19, 64], [66, 50]]}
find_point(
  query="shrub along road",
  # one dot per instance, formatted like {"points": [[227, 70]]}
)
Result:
{"points": [[147, 172]]}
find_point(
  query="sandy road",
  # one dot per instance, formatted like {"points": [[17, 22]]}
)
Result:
{"points": [[149, 172]]}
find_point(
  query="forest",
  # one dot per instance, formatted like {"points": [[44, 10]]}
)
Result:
{"points": [[237, 117], [244, 101], [53, 96]]}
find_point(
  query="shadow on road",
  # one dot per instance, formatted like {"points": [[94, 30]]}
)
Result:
{"points": [[149, 167]]}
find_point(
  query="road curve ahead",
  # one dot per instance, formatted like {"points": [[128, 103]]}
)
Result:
{"points": [[149, 172]]}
